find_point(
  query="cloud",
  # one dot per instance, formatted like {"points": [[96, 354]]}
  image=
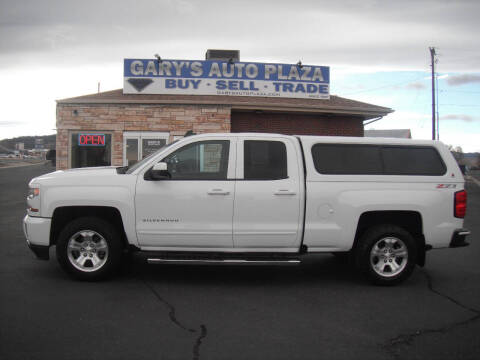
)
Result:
{"points": [[457, 80], [415, 86], [462, 117], [58, 32]]}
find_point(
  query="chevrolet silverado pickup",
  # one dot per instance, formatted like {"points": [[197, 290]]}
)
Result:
{"points": [[255, 199]]}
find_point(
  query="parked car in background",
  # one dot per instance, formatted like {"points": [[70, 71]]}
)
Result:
{"points": [[52, 156]]}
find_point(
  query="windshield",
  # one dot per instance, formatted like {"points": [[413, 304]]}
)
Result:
{"points": [[139, 164]]}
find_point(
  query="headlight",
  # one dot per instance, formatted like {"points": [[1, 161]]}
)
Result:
{"points": [[33, 192], [33, 201]]}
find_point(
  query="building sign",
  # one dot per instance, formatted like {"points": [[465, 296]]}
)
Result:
{"points": [[38, 144], [149, 146], [143, 76], [91, 139]]}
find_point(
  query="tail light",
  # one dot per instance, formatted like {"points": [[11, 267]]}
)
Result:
{"points": [[460, 204]]}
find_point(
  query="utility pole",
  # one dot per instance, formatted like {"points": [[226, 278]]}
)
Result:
{"points": [[432, 56], [436, 109]]}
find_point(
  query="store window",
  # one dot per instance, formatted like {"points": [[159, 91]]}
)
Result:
{"points": [[138, 145], [91, 149]]}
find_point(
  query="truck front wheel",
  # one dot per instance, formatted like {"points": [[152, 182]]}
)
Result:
{"points": [[89, 248], [386, 254]]}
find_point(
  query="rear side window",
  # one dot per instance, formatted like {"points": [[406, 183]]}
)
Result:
{"points": [[347, 159], [264, 160], [412, 161], [351, 159]]}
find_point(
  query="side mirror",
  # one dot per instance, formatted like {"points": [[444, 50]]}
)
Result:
{"points": [[160, 166], [159, 171]]}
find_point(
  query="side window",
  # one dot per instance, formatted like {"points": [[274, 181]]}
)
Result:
{"points": [[347, 159], [204, 160], [412, 161], [264, 160]]}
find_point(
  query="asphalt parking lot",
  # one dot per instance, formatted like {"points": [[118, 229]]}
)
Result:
{"points": [[320, 310]]}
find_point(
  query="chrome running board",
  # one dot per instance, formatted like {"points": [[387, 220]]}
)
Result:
{"points": [[286, 262]]}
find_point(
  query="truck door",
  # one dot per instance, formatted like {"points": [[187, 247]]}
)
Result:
{"points": [[268, 206], [193, 209]]}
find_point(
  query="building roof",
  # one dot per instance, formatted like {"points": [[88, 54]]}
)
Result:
{"points": [[334, 105], [393, 133]]}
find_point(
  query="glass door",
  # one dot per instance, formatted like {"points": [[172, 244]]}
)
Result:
{"points": [[132, 152]]}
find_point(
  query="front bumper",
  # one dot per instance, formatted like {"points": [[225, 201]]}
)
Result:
{"points": [[40, 251], [458, 238], [37, 233]]}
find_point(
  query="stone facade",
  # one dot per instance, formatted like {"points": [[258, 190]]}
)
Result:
{"points": [[118, 118]]}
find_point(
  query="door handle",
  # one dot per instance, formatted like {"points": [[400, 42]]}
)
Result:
{"points": [[218, 192], [284, 192]]}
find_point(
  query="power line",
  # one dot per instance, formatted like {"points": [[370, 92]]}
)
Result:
{"points": [[461, 91], [462, 105], [386, 86]]}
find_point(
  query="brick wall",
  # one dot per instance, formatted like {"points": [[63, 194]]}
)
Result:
{"points": [[116, 119], [297, 124]]}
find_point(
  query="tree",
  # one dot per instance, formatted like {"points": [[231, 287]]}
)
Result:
{"points": [[457, 153]]}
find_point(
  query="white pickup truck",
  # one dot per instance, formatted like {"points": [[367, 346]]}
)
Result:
{"points": [[255, 199]]}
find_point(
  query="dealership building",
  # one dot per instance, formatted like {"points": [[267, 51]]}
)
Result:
{"points": [[162, 100]]}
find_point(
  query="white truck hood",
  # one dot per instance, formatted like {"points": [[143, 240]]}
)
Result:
{"points": [[88, 175]]}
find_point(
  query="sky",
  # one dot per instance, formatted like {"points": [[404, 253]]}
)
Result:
{"points": [[377, 51]]}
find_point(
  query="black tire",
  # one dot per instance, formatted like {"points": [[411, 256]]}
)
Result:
{"points": [[385, 265], [108, 255]]}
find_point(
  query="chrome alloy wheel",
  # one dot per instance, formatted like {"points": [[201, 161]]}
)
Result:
{"points": [[87, 250], [389, 256]]}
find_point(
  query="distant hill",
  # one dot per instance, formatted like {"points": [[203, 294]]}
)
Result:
{"points": [[49, 142], [472, 160]]}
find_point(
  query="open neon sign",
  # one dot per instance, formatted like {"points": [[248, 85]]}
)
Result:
{"points": [[91, 139]]}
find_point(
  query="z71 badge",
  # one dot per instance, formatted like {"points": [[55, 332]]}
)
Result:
{"points": [[446, 186]]}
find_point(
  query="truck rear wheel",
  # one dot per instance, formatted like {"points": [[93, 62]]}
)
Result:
{"points": [[386, 254], [89, 248]]}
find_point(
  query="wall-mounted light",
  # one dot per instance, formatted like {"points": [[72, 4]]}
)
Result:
{"points": [[230, 61], [159, 59], [75, 112], [299, 64]]}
